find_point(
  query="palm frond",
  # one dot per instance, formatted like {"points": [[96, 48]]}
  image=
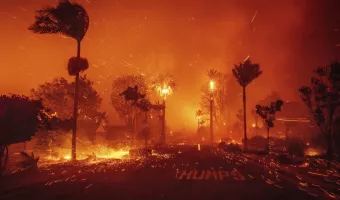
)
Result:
{"points": [[67, 18], [246, 72]]}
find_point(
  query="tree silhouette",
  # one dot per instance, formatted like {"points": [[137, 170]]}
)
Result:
{"points": [[144, 105], [120, 87], [20, 118], [322, 98], [72, 20], [245, 73], [225, 97], [58, 96], [267, 113]]}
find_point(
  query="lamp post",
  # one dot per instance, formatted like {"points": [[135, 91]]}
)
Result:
{"points": [[212, 88]]}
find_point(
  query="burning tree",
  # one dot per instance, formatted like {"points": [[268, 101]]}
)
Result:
{"points": [[20, 118], [58, 97], [245, 73], [164, 84], [225, 97], [322, 98], [267, 113], [72, 20], [136, 99], [123, 108]]}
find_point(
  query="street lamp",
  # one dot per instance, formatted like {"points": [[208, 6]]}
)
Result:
{"points": [[164, 91], [212, 88]]}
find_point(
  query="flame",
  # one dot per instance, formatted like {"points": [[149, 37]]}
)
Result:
{"points": [[212, 85], [164, 91], [312, 152], [96, 151]]}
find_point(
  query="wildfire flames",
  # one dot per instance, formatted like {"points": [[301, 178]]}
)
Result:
{"points": [[95, 151], [312, 152], [164, 90]]}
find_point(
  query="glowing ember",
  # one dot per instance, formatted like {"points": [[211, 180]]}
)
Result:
{"points": [[253, 125], [67, 157], [312, 152]]}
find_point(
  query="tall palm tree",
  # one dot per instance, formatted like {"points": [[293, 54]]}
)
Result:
{"points": [[245, 73], [213, 74], [72, 20]]}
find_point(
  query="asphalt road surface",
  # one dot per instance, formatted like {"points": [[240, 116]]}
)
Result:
{"points": [[182, 173]]}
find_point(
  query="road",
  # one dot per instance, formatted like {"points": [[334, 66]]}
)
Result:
{"points": [[182, 173]]}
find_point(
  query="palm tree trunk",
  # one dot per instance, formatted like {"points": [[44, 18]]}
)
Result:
{"points": [[245, 118], [75, 110]]}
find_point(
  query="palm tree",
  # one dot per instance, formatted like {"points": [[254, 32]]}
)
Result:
{"points": [[213, 74], [245, 73], [72, 20]]}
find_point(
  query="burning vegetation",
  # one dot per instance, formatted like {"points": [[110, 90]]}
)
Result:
{"points": [[67, 138]]}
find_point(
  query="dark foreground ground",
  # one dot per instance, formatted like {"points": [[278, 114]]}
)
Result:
{"points": [[180, 173]]}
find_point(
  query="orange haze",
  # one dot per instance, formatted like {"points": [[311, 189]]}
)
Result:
{"points": [[183, 37]]}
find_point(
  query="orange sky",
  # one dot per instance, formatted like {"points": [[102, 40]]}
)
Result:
{"points": [[184, 38]]}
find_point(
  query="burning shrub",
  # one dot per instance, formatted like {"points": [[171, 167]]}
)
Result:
{"points": [[296, 146]]}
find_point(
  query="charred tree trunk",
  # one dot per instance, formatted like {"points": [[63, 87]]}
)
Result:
{"points": [[75, 109]]}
